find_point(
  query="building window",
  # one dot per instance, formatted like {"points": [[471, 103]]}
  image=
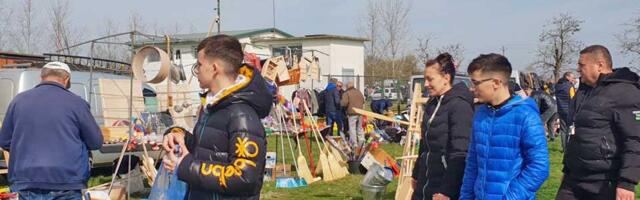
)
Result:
{"points": [[79, 89], [6, 94], [348, 75]]}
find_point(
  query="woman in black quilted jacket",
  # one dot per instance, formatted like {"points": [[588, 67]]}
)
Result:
{"points": [[446, 129]]}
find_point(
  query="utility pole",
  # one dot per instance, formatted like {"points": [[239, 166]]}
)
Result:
{"points": [[274, 16], [218, 17], [503, 50]]}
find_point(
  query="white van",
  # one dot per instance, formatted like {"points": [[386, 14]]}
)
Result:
{"points": [[17, 80]]}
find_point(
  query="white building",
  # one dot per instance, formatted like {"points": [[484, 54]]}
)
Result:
{"points": [[338, 56]]}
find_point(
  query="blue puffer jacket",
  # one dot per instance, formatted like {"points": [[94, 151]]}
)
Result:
{"points": [[508, 156]]}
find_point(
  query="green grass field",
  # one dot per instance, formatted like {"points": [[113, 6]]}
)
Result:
{"points": [[349, 187]]}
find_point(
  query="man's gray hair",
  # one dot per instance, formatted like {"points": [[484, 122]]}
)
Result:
{"points": [[46, 72], [567, 74]]}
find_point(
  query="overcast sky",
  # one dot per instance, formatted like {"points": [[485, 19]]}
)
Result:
{"points": [[481, 26]]}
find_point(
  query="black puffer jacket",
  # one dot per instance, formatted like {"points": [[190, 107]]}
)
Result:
{"points": [[444, 144], [227, 147], [546, 105], [563, 97], [606, 144]]}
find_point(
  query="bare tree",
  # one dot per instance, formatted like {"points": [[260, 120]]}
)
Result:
{"points": [[26, 37], [630, 41], [385, 23], [558, 45], [62, 32], [5, 15], [455, 50], [370, 23], [136, 23], [424, 49], [369, 27], [395, 29], [111, 48]]}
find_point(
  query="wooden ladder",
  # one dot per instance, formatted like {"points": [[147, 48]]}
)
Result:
{"points": [[411, 140]]}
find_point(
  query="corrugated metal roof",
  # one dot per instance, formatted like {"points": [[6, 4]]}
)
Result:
{"points": [[197, 37], [313, 37]]}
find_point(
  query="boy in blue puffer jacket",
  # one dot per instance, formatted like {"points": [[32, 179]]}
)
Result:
{"points": [[508, 156]]}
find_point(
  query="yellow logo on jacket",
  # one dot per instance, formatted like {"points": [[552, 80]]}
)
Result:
{"points": [[245, 150]]}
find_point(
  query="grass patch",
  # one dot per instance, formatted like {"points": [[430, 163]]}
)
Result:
{"points": [[349, 187]]}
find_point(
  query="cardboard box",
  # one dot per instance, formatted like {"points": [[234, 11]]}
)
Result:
{"points": [[369, 161], [278, 171], [118, 192]]}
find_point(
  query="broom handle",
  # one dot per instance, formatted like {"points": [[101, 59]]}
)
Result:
{"points": [[113, 178], [286, 128], [307, 141], [314, 126], [295, 126], [284, 162]]}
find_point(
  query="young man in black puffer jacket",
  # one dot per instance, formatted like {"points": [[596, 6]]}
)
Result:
{"points": [[224, 158], [602, 159]]}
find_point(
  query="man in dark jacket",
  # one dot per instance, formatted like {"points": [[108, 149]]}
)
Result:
{"points": [[343, 110], [49, 131], [564, 92], [547, 109], [602, 159], [332, 104], [224, 158], [353, 98]]}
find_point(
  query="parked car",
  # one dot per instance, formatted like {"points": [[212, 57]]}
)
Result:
{"points": [[391, 93], [419, 79]]}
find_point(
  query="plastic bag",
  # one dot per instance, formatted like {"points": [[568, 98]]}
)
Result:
{"points": [[167, 186]]}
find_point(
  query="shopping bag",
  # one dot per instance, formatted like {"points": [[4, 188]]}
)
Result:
{"points": [[167, 186]]}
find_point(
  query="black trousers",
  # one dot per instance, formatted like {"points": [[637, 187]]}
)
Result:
{"points": [[582, 190], [564, 130]]}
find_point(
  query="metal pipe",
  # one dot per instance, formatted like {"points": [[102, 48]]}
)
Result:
{"points": [[91, 74], [131, 121], [87, 42]]}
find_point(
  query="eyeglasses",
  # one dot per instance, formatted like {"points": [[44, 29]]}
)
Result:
{"points": [[195, 69], [475, 83]]}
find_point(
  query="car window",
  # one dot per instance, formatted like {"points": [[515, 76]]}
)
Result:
{"points": [[6, 95], [79, 89]]}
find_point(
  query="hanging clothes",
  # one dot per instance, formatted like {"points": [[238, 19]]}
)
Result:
{"points": [[253, 60], [303, 95], [314, 101]]}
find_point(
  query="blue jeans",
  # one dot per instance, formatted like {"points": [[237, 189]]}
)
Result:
{"points": [[37, 194], [334, 117]]}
